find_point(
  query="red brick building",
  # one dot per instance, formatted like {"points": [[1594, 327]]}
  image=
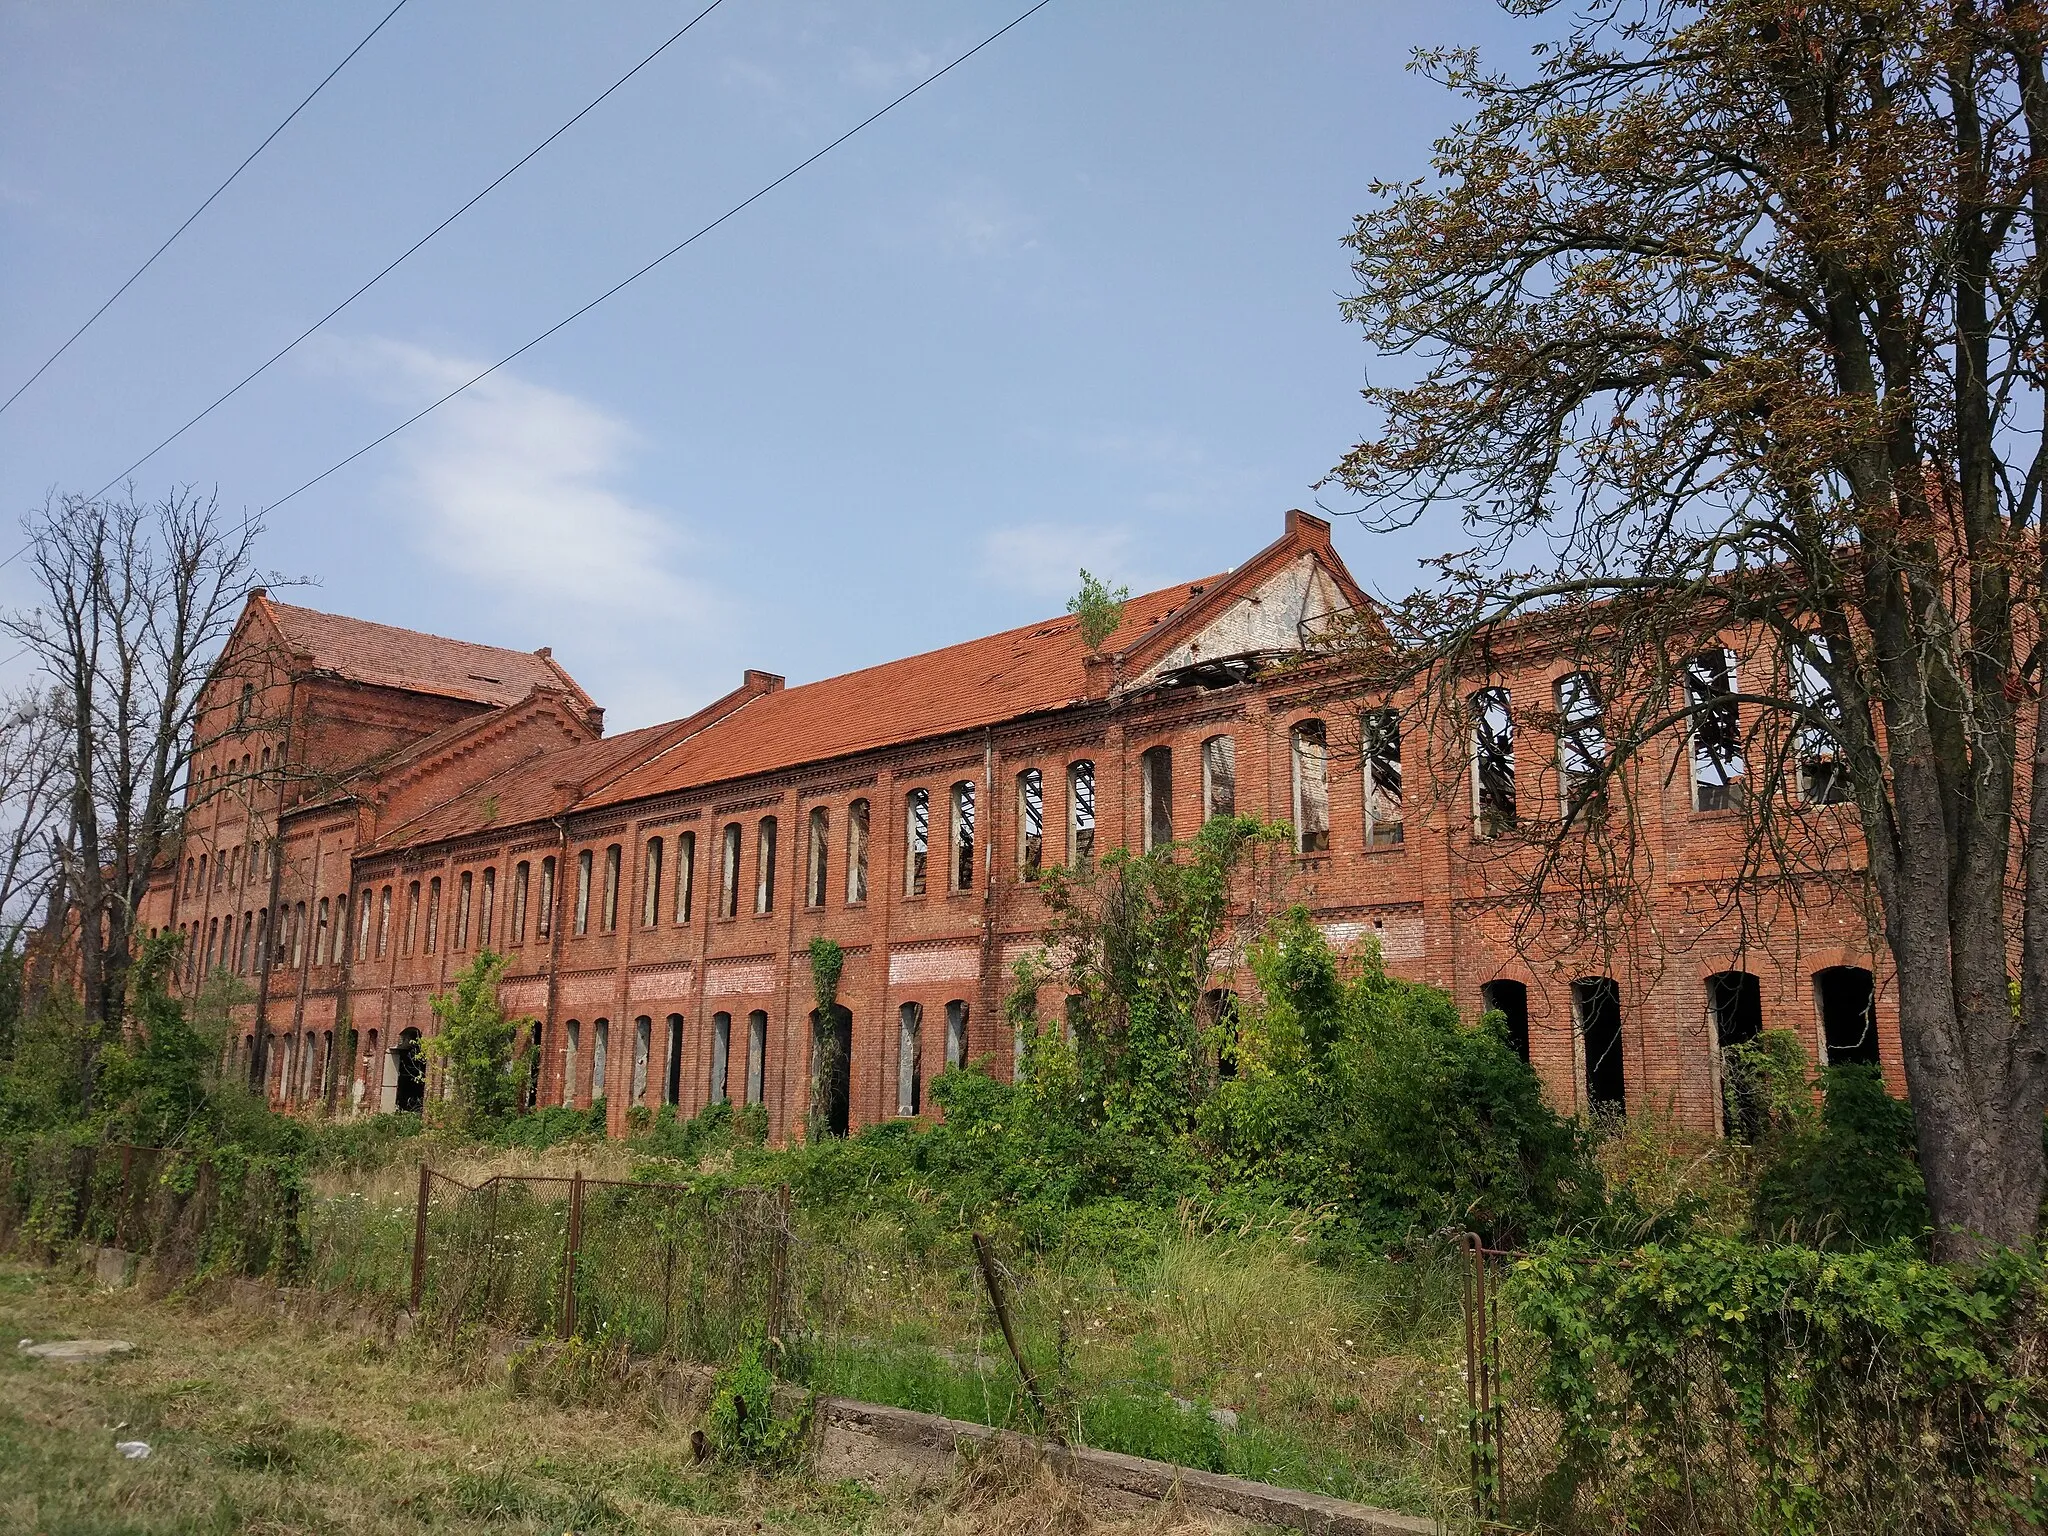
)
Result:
{"points": [[369, 806]]}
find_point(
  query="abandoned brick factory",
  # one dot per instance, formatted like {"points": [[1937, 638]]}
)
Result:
{"points": [[370, 806]]}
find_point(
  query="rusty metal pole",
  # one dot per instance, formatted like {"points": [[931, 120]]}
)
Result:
{"points": [[574, 1246], [419, 1238], [121, 1210], [991, 1279], [1467, 1243], [778, 1263]]}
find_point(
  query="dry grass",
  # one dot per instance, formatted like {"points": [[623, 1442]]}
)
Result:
{"points": [[395, 1182], [260, 1423]]}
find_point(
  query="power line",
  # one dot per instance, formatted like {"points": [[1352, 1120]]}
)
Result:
{"points": [[264, 366], [216, 192], [673, 250]]}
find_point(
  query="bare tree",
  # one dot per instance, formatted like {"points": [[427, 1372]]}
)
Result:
{"points": [[33, 795], [136, 601], [1730, 331]]}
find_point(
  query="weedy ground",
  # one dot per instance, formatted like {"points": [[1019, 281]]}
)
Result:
{"points": [[258, 1423]]}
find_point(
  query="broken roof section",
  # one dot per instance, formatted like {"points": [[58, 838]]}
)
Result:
{"points": [[386, 656]]}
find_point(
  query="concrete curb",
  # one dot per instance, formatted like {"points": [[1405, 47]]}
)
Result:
{"points": [[866, 1442]]}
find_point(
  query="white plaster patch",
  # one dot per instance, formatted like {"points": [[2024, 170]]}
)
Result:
{"points": [[957, 962], [1400, 937], [527, 995], [738, 978], [658, 981], [587, 991]]}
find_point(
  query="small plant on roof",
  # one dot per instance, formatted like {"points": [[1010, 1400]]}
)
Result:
{"points": [[1100, 610]]}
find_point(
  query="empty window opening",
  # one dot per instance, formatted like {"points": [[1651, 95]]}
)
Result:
{"points": [[817, 849], [322, 935], [608, 914], [410, 1063], [764, 865], [1717, 760], [433, 918], [544, 919], [686, 874], [956, 1034], [1080, 813], [1596, 1006], [1736, 1008], [486, 907], [729, 871], [465, 893], [1847, 1003], [582, 911], [1509, 999], [643, 1044], [535, 1056], [856, 853], [1380, 743], [242, 709], [1218, 1020], [917, 838], [1030, 823], [672, 1085], [1155, 793], [721, 1058], [1493, 762], [1581, 742], [757, 1055], [522, 873], [571, 1044], [1219, 777], [832, 1070], [962, 800], [909, 1065], [1311, 754], [1823, 775], [650, 884], [600, 1059]]}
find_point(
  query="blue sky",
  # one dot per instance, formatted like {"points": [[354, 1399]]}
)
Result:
{"points": [[1074, 305]]}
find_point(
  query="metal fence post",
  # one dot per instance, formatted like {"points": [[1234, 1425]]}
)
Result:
{"points": [[993, 1280], [778, 1263], [575, 1244], [419, 1239]]}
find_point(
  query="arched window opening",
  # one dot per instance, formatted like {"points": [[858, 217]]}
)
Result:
{"points": [[1155, 795], [757, 1056], [1030, 823], [1509, 999], [247, 701], [764, 865], [522, 874], [962, 798], [1493, 762], [544, 919], [856, 853], [383, 920], [534, 1058], [1717, 759], [600, 1059], [1846, 1000], [832, 1071], [572, 1049], [643, 1046], [582, 908], [298, 949], [412, 918], [486, 908], [909, 1063], [1596, 1007], [248, 921], [917, 840], [1311, 754], [672, 1087], [322, 934], [608, 912], [956, 1033], [729, 871], [817, 848], [465, 896], [1219, 777], [433, 914], [650, 884], [1581, 743], [721, 1058], [1080, 814], [686, 875], [1380, 742], [410, 1063]]}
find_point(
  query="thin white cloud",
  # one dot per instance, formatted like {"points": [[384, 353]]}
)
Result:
{"points": [[982, 222], [512, 486], [872, 72], [1045, 560]]}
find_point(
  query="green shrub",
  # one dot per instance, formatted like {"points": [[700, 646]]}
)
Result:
{"points": [[480, 1043], [743, 1424], [1851, 1177]]}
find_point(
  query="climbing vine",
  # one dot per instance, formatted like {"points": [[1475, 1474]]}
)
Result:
{"points": [[828, 960]]}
